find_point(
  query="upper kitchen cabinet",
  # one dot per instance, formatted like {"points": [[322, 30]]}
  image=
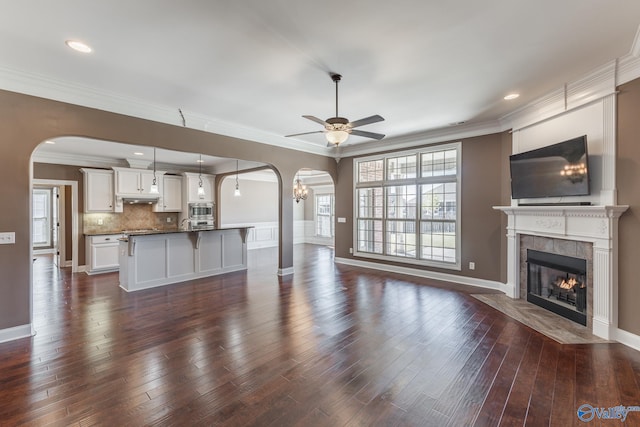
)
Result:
{"points": [[136, 184], [172, 193], [191, 187], [98, 190], [135, 181]]}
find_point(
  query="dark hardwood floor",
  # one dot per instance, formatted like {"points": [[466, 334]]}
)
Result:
{"points": [[329, 346]]}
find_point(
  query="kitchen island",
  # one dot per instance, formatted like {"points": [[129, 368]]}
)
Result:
{"points": [[157, 258]]}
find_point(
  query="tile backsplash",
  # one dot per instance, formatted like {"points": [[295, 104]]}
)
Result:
{"points": [[133, 217]]}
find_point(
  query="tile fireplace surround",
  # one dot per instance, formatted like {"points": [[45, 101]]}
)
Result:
{"points": [[597, 225]]}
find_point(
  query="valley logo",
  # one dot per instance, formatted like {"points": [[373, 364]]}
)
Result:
{"points": [[587, 412]]}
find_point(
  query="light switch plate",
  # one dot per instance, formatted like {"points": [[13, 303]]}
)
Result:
{"points": [[8, 238]]}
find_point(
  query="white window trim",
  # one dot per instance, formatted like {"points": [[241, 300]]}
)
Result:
{"points": [[396, 259], [331, 216]]}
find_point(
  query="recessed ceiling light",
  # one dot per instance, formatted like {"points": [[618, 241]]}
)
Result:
{"points": [[511, 96], [199, 161], [49, 142], [79, 46], [137, 153]]}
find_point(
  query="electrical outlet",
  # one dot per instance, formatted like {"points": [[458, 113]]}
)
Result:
{"points": [[350, 250], [100, 221], [8, 238], [472, 265], [342, 219], [168, 219]]}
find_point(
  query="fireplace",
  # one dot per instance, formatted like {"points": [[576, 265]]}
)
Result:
{"points": [[587, 232], [558, 283]]}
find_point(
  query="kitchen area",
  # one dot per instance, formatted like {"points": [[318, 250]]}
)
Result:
{"points": [[155, 227]]}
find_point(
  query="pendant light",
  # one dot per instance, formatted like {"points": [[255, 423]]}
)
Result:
{"points": [[200, 187], [299, 190], [236, 193], [154, 187]]}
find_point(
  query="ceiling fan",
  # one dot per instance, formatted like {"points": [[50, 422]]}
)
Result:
{"points": [[337, 129]]}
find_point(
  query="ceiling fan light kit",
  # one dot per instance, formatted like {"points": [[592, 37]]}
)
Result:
{"points": [[337, 129]]}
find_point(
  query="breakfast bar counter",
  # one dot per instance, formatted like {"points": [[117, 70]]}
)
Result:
{"points": [[156, 258]]}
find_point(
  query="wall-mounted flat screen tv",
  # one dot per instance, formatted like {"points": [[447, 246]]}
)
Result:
{"points": [[556, 170]]}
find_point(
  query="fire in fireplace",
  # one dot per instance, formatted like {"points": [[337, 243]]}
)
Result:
{"points": [[558, 283]]}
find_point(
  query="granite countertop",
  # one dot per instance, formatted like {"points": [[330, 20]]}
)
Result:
{"points": [[152, 232]]}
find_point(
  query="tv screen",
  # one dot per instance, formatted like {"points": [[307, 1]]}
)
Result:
{"points": [[554, 171]]}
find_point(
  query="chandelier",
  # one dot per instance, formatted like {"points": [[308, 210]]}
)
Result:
{"points": [[299, 190]]}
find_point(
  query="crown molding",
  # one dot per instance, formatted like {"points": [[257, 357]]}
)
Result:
{"points": [[432, 136], [34, 84], [77, 160], [596, 85]]}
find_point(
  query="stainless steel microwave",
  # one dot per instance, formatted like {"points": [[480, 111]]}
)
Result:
{"points": [[203, 211]]}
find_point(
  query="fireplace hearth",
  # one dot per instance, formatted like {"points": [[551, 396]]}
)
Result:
{"points": [[558, 283]]}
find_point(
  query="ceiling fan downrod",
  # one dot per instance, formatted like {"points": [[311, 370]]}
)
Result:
{"points": [[336, 78]]}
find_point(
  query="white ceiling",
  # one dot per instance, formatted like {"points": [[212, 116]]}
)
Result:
{"points": [[253, 67]]}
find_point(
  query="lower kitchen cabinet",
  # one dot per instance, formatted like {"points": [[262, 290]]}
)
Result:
{"points": [[102, 253]]}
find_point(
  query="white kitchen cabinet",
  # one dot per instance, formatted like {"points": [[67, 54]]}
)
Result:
{"points": [[192, 183], [131, 182], [98, 190], [136, 184], [102, 253], [172, 193]]}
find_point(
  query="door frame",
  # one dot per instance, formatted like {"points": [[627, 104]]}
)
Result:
{"points": [[75, 230]]}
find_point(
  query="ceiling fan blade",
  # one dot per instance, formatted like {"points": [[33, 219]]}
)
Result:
{"points": [[304, 133], [373, 135], [317, 120], [366, 121]]}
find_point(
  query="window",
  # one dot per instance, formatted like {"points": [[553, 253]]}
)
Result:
{"points": [[406, 206], [324, 215], [41, 217]]}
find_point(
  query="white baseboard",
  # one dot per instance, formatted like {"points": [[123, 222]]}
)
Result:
{"points": [[285, 271], [17, 332], [628, 339], [471, 281]]}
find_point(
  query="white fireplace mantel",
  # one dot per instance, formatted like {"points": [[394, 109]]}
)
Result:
{"points": [[595, 224]]}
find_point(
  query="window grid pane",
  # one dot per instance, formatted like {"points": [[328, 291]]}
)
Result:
{"points": [[439, 201], [439, 163], [401, 167], [438, 240], [370, 171], [401, 201], [370, 202], [401, 238], [370, 236]]}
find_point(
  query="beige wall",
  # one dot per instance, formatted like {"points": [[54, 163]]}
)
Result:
{"points": [[258, 201], [483, 228], [26, 121], [628, 183]]}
